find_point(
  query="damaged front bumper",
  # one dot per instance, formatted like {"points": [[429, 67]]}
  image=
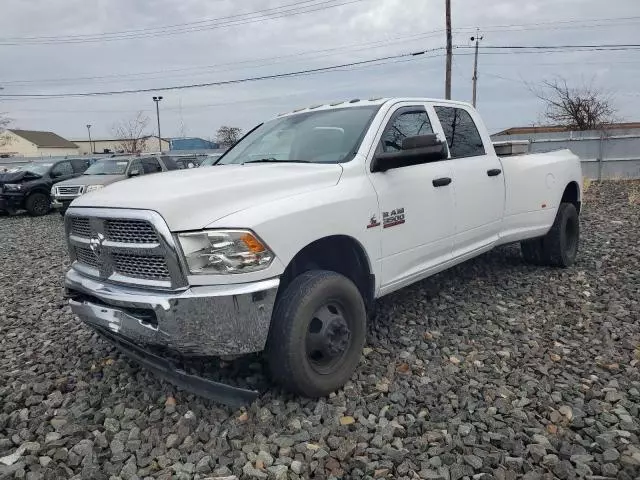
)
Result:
{"points": [[216, 320]]}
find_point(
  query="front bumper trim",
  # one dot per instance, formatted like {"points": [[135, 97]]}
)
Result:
{"points": [[166, 370]]}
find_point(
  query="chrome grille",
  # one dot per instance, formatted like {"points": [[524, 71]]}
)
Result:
{"points": [[130, 231], [69, 190], [124, 246], [86, 256], [137, 266], [80, 226]]}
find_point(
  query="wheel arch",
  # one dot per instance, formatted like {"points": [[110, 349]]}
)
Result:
{"points": [[571, 194], [342, 254]]}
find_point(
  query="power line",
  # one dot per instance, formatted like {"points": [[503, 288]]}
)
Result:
{"points": [[284, 10], [207, 68], [518, 50], [250, 17], [211, 84]]}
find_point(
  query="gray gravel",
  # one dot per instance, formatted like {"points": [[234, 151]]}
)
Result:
{"points": [[493, 370]]}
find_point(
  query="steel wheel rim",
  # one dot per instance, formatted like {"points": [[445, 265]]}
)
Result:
{"points": [[329, 337]]}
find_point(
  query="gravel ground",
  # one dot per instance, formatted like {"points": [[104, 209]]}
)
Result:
{"points": [[492, 370]]}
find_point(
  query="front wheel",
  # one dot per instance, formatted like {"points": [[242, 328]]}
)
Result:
{"points": [[37, 204], [318, 330]]}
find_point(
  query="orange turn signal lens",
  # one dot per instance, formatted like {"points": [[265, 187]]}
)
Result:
{"points": [[252, 243]]}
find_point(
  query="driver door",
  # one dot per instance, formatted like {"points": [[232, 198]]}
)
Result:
{"points": [[416, 203]]}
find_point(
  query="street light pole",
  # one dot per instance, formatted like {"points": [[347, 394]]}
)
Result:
{"points": [[90, 143], [157, 100], [477, 39]]}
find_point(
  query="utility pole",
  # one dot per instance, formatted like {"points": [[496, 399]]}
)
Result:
{"points": [[477, 39], [157, 100], [91, 147], [447, 85]]}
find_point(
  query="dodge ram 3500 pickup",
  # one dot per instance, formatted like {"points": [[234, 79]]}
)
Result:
{"points": [[284, 245]]}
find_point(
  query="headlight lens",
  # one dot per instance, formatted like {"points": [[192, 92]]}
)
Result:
{"points": [[12, 187], [92, 188], [224, 251]]}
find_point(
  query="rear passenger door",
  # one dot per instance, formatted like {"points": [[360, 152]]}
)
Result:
{"points": [[479, 183]]}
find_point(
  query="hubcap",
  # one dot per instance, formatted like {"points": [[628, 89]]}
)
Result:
{"points": [[328, 338]]}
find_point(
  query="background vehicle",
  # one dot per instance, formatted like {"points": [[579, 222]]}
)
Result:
{"points": [[28, 186], [300, 227], [104, 172], [188, 161], [211, 159]]}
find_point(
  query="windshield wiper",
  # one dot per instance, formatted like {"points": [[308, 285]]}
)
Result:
{"points": [[275, 160]]}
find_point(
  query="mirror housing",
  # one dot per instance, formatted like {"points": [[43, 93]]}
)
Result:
{"points": [[415, 151], [134, 172]]}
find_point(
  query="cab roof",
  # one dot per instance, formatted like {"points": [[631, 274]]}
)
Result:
{"points": [[356, 102]]}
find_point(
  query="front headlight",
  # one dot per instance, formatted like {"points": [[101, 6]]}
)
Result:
{"points": [[12, 187], [92, 188], [224, 251]]}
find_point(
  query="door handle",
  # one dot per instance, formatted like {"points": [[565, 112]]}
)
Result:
{"points": [[441, 182], [494, 172]]}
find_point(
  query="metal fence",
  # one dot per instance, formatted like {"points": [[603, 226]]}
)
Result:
{"points": [[608, 154]]}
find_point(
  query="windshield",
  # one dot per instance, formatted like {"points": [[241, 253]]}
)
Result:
{"points": [[324, 136], [110, 166], [210, 160], [38, 168]]}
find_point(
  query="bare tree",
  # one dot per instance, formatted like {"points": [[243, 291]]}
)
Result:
{"points": [[582, 108], [131, 133], [4, 122], [228, 136]]}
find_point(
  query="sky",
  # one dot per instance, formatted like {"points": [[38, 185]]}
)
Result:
{"points": [[78, 46]]}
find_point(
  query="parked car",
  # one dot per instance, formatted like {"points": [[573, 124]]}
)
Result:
{"points": [[187, 161], [27, 186], [286, 244], [105, 172]]}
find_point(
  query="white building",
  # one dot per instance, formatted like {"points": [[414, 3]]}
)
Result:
{"points": [[31, 143], [146, 145]]}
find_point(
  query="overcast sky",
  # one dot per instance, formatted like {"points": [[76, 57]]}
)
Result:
{"points": [[355, 31]]}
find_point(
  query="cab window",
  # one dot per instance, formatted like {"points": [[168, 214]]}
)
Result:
{"points": [[461, 132], [406, 122], [62, 169]]}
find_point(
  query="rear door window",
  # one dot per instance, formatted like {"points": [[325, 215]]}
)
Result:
{"points": [[461, 132], [79, 165]]}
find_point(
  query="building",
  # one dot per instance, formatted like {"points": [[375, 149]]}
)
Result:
{"points": [[112, 145], [526, 131], [192, 143], [31, 143]]}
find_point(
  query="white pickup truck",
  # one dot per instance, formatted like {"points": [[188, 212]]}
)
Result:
{"points": [[284, 245]]}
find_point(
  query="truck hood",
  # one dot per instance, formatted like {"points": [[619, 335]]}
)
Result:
{"points": [[192, 199], [18, 177], [92, 180]]}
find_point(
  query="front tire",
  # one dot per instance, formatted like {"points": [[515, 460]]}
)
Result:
{"points": [[318, 330], [37, 204]]}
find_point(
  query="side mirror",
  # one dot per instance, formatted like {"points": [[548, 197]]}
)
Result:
{"points": [[414, 151], [134, 172]]}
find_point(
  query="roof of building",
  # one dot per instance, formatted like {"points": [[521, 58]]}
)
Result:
{"points": [[94, 140], [561, 128], [44, 139], [192, 143]]}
